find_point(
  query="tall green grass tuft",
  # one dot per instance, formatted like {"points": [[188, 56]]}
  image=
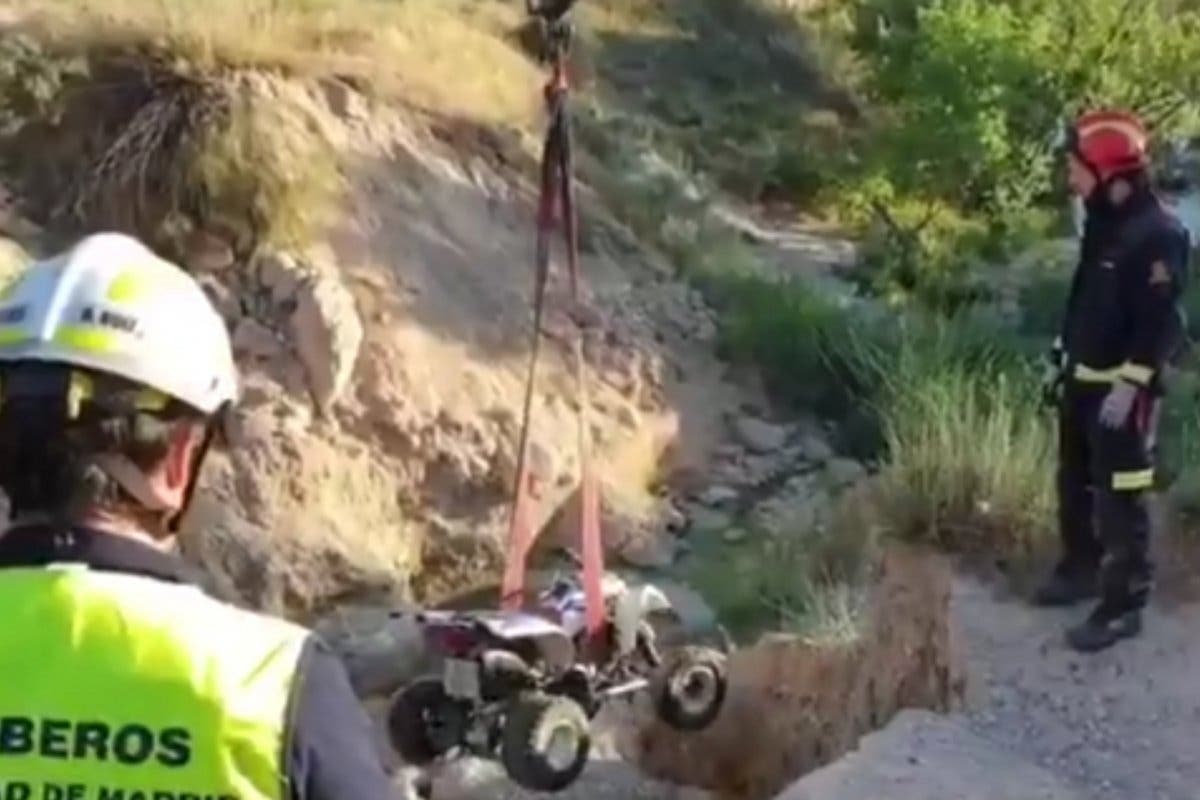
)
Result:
{"points": [[809, 582], [1179, 448], [970, 448]]}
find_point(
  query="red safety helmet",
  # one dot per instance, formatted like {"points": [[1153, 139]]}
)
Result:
{"points": [[1109, 142]]}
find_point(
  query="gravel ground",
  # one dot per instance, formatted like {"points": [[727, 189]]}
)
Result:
{"points": [[1046, 723], [1123, 723], [924, 756]]}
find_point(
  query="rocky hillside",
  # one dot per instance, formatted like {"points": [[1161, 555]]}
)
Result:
{"points": [[385, 368], [384, 357], [387, 371]]}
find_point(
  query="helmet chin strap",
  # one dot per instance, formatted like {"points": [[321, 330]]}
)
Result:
{"points": [[135, 483], [174, 521]]}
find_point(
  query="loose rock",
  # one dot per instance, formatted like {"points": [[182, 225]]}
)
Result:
{"points": [[718, 495], [842, 472], [656, 552], [207, 252], [253, 339], [760, 436], [817, 449], [281, 275], [735, 535], [222, 298]]}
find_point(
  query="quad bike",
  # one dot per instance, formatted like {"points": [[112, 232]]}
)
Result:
{"points": [[522, 687]]}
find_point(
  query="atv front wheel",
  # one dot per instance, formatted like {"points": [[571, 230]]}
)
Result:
{"points": [[690, 687], [424, 723], [546, 741]]}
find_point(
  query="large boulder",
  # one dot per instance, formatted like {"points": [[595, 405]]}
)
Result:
{"points": [[758, 435], [381, 646], [327, 333], [297, 519]]}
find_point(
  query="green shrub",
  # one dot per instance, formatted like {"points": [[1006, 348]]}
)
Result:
{"points": [[1191, 304], [806, 582], [1179, 441], [1043, 300], [794, 334], [921, 250], [753, 94], [32, 79], [977, 87], [960, 169]]}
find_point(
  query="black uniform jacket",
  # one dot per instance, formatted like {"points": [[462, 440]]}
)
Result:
{"points": [[1123, 316]]}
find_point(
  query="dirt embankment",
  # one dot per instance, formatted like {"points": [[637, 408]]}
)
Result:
{"points": [[795, 705], [1044, 721]]}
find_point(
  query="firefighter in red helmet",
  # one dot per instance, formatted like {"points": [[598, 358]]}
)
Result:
{"points": [[1123, 324]]}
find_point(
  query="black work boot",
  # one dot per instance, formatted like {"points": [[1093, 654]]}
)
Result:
{"points": [[1102, 630], [1066, 587]]}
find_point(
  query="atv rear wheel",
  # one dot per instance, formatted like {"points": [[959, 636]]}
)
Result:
{"points": [[546, 741], [690, 687], [423, 723]]}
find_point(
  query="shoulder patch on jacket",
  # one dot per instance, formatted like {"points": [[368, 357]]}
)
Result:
{"points": [[1159, 273]]}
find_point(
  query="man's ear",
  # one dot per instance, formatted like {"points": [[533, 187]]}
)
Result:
{"points": [[181, 451]]}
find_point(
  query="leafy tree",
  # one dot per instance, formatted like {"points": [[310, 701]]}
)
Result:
{"points": [[971, 95]]}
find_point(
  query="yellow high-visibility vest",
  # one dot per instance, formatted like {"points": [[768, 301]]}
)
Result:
{"points": [[122, 687]]}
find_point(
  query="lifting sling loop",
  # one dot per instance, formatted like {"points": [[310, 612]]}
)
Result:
{"points": [[556, 206]]}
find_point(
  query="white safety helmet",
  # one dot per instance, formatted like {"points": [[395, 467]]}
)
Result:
{"points": [[110, 304]]}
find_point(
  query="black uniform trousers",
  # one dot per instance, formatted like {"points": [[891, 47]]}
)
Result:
{"points": [[1104, 478]]}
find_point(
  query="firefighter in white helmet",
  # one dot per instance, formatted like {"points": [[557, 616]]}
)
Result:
{"points": [[120, 676]]}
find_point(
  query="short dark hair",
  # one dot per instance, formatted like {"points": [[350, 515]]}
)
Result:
{"points": [[50, 436]]}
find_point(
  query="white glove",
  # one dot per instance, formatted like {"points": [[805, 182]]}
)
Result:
{"points": [[1117, 404]]}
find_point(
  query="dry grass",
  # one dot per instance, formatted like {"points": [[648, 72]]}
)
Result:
{"points": [[454, 56], [266, 166], [260, 163]]}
